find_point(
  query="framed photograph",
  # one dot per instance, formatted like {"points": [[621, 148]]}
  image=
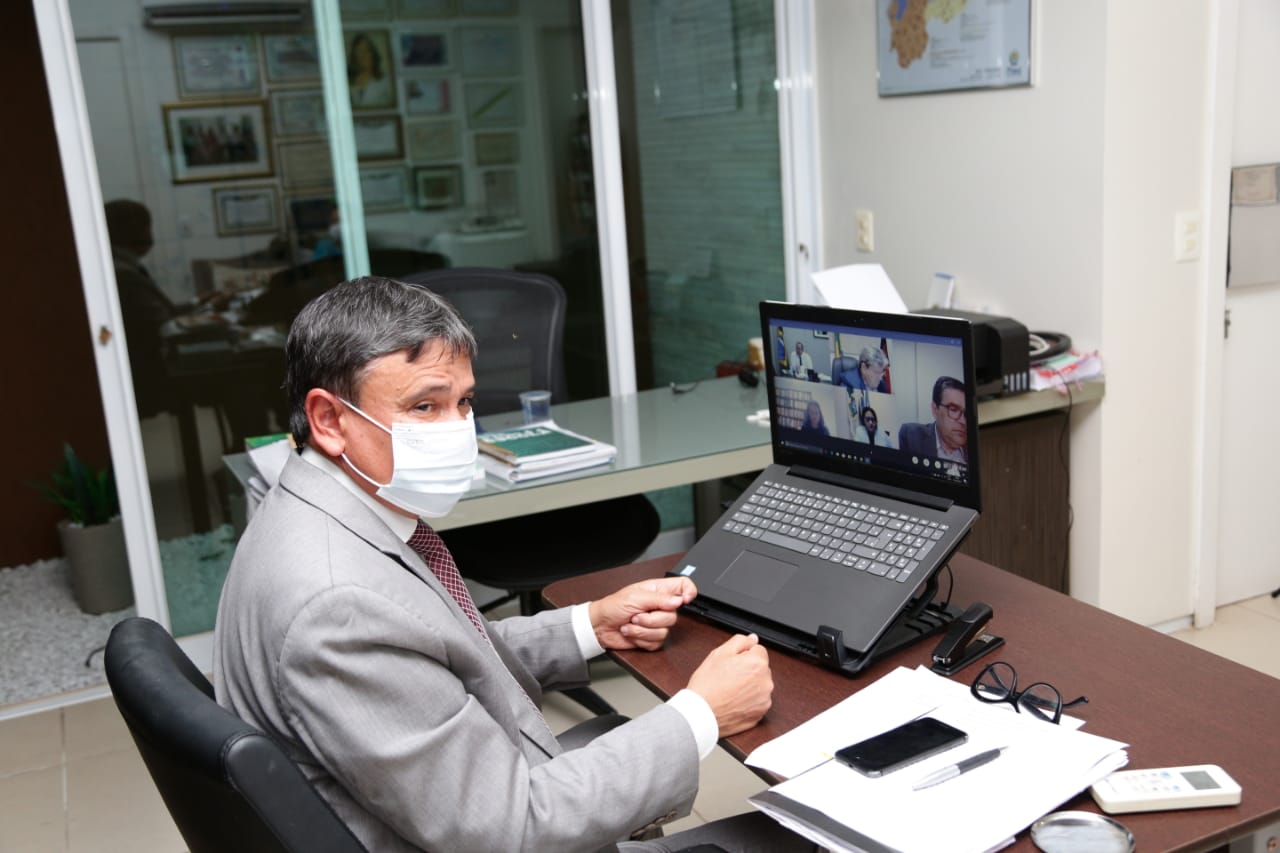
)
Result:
{"points": [[291, 59], [494, 104], [378, 138], [370, 77], [489, 51], [384, 188], [496, 149], [488, 7], [501, 191], [218, 141], [305, 165], [427, 97], [216, 66], [246, 210], [438, 187], [423, 52], [298, 113], [429, 140], [426, 8], [368, 10]]}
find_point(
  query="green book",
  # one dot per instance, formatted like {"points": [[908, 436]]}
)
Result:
{"points": [[253, 441], [536, 443]]}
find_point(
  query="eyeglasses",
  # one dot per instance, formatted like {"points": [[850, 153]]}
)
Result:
{"points": [[953, 411], [998, 683]]}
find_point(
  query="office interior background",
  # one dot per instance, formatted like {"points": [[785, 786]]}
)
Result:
{"points": [[1054, 204]]}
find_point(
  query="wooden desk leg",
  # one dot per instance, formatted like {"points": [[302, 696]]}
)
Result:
{"points": [[192, 461], [706, 505]]}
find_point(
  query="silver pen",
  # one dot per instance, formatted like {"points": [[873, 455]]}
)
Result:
{"points": [[951, 771]]}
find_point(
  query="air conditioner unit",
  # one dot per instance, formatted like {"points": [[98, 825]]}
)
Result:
{"points": [[217, 13]]}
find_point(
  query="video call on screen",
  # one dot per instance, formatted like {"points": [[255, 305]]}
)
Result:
{"points": [[867, 397]]}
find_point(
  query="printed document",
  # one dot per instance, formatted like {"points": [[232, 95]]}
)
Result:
{"points": [[1042, 767]]}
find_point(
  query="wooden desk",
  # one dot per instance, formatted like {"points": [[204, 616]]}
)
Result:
{"points": [[1173, 703]]}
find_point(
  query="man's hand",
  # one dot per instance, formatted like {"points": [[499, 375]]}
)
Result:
{"points": [[638, 616], [736, 682]]}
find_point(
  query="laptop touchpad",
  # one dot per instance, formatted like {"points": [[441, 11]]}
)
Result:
{"points": [[756, 575]]}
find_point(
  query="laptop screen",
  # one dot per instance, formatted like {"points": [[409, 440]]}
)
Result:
{"points": [[886, 398]]}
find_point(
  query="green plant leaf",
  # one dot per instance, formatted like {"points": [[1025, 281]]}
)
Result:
{"points": [[87, 496]]}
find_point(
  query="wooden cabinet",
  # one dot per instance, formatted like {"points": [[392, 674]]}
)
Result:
{"points": [[1026, 514]]}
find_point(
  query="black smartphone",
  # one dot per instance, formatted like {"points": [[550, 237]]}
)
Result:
{"points": [[907, 744]]}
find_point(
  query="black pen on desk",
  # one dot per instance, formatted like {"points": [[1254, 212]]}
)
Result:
{"points": [[951, 771]]}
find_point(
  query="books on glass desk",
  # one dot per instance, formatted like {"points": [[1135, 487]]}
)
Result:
{"points": [[540, 450]]}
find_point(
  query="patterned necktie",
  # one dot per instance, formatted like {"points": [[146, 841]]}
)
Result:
{"points": [[431, 548]]}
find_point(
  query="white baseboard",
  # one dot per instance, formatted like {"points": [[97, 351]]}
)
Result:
{"points": [[1173, 625]]}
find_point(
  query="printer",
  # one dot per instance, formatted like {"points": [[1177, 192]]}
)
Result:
{"points": [[1001, 352]]}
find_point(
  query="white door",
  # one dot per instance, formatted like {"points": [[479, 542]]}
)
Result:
{"points": [[1248, 550]]}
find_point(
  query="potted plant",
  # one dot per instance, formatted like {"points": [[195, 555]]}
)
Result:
{"points": [[92, 535]]}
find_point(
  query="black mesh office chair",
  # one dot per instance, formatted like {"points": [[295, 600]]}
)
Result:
{"points": [[518, 320], [226, 784]]}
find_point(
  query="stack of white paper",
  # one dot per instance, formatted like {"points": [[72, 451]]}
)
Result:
{"points": [[1043, 766], [863, 286]]}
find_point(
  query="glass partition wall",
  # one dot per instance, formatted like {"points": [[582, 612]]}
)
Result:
{"points": [[248, 164], [221, 171]]}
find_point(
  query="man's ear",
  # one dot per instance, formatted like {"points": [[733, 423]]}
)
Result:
{"points": [[324, 413]]}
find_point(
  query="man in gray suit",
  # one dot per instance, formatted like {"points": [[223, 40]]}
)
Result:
{"points": [[947, 438], [345, 632]]}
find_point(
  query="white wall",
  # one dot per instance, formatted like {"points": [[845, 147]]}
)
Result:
{"points": [[1053, 205], [1153, 143]]}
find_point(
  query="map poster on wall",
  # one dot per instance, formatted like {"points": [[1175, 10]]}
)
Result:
{"points": [[945, 45]]}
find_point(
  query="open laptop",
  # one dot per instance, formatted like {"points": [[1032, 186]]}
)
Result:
{"points": [[832, 541]]}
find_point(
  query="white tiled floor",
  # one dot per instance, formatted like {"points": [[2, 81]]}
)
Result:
{"points": [[71, 782]]}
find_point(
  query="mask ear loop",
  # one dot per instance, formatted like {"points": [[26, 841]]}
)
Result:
{"points": [[353, 407]]}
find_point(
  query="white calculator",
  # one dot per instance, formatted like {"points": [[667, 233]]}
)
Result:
{"points": [[1164, 788]]}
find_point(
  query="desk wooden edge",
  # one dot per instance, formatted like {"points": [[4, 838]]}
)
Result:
{"points": [[1175, 704]]}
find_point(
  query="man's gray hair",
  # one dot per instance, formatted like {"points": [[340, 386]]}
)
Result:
{"points": [[335, 337], [873, 356]]}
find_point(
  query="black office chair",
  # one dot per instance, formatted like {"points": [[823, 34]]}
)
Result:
{"points": [[518, 320], [839, 365], [227, 785]]}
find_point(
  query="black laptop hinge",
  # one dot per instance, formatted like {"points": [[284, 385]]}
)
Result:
{"points": [[940, 504]]}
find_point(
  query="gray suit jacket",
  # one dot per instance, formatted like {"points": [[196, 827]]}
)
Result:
{"points": [[334, 638], [921, 439]]}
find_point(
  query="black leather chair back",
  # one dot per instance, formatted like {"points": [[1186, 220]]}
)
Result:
{"points": [[518, 321], [227, 786], [840, 364]]}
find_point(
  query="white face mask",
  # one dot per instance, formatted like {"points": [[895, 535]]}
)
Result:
{"points": [[433, 464]]}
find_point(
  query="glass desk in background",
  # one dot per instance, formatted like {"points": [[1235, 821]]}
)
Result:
{"points": [[702, 436], [664, 439]]}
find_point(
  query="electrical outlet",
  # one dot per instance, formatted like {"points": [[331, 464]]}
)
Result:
{"points": [[1186, 236], [865, 223]]}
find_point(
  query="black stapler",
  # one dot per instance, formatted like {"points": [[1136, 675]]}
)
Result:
{"points": [[965, 641]]}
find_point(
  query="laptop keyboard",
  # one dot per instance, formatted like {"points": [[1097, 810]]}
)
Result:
{"points": [[858, 535]]}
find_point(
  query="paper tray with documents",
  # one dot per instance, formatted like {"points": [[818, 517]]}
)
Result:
{"points": [[1043, 766]]}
